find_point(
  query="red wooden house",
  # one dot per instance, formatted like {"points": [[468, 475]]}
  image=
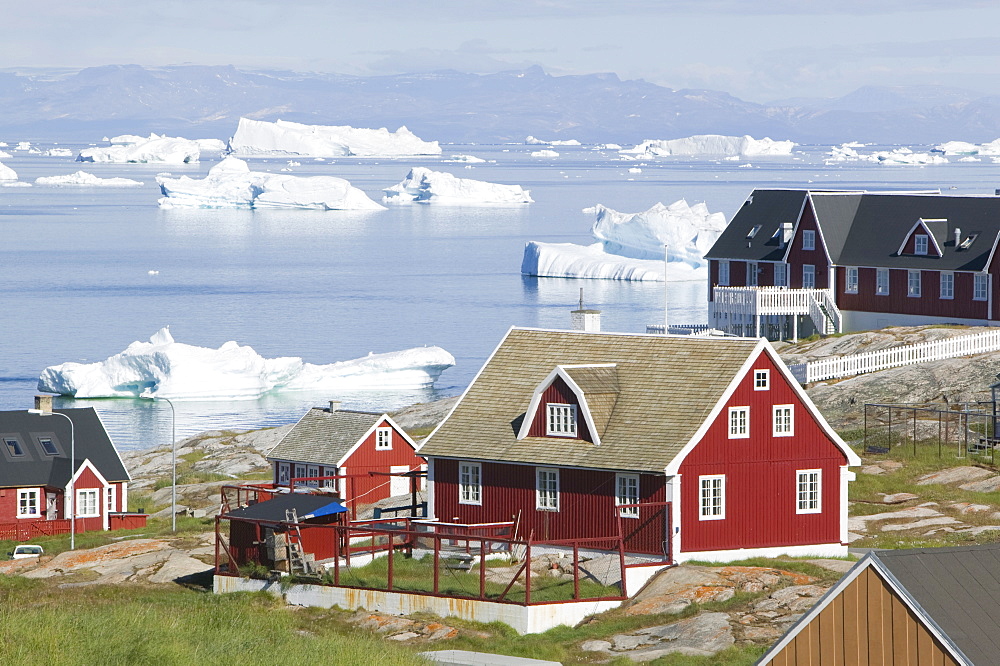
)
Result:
{"points": [[352, 445], [36, 468], [697, 447], [792, 262]]}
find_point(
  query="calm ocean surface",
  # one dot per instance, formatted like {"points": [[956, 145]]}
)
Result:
{"points": [[330, 286]]}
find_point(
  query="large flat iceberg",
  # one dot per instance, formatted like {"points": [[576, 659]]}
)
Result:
{"points": [[6, 173], [965, 148], [257, 137], [135, 149], [164, 368], [84, 179], [631, 245], [711, 145], [422, 185], [231, 184]]}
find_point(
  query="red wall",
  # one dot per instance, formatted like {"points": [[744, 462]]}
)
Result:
{"points": [[760, 495], [586, 504], [366, 458], [930, 304], [797, 256], [558, 392]]}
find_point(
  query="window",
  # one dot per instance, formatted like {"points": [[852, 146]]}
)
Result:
{"points": [[882, 281], [330, 483], [947, 284], [86, 503], [470, 488], [808, 494], [723, 272], [300, 472], [851, 281], [383, 439], [561, 421], [808, 239], [739, 422], [913, 283], [283, 470], [110, 498], [13, 446], [751, 273], [981, 287], [28, 502], [712, 497], [753, 232], [784, 421], [313, 473], [808, 276], [48, 446], [761, 380], [920, 244], [547, 489], [628, 493], [781, 274]]}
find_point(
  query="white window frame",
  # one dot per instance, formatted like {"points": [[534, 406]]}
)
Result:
{"points": [[110, 499], [28, 499], [470, 483], [921, 244], [299, 472], [851, 280], [723, 272], [980, 286], [947, 292], [627, 492], [780, 274], [312, 471], [881, 281], [913, 284], [712, 497], [761, 380], [752, 272], [88, 504], [284, 473], [383, 439], [329, 483], [560, 419], [808, 276], [808, 239], [739, 422], [783, 420], [807, 498], [547, 488]]}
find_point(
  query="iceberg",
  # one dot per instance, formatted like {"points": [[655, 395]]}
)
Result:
{"points": [[257, 137], [532, 141], [422, 185], [545, 153], [469, 159], [964, 148], [631, 245], [58, 152], [6, 173], [231, 184], [165, 149], [904, 156], [169, 369], [711, 144], [82, 178]]}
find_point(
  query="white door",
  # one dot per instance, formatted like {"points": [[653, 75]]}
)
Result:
{"points": [[399, 485]]}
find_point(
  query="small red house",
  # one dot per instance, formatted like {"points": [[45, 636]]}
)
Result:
{"points": [[700, 448], [36, 468], [352, 445]]}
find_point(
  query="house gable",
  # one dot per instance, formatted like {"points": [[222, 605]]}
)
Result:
{"points": [[589, 391], [400, 442], [933, 233]]}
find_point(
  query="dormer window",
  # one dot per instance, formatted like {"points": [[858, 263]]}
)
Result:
{"points": [[920, 244], [560, 420]]}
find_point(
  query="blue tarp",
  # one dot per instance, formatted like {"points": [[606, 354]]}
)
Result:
{"points": [[273, 510]]}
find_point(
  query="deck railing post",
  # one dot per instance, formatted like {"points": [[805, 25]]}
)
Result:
{"points": [[527, 572], [216, 545], [437, 559], [391, 550], [337, 536], [576, 570], [482, 570]]}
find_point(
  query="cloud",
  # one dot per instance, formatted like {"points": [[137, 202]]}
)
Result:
{"points": [[473, 57]]}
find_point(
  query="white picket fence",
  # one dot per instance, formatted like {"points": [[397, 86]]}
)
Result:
{"points": [[921, 352]]}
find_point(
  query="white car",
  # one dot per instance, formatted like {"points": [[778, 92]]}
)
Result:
{"points": [[25, 551]]}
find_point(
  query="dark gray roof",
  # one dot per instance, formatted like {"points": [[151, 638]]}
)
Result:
{"points": [[273, 510], [323, 437], [835, 213], [768, 208], [35, 468], [959, 588]]}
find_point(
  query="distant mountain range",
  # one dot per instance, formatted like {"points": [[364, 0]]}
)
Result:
{"points": [[448, 106]]}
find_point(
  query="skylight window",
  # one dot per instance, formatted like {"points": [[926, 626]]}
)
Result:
{"points": [[964, 245], [753, 232]]}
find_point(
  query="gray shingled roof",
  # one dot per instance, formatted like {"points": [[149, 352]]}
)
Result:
{"points": [[959, 588], [34, 468], [666, 388], [322, 437]]}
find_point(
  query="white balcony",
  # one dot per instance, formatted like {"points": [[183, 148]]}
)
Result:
{"points": [[744, 310]]}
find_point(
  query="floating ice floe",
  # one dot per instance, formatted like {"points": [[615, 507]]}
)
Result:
{"points": [[711, 144], [607, 146], [544, 153], [6, 173], [963, 148], [84, 179], [135, 149], [164, 368], [58, 152], [257, 137], [23, 145], [904, 156], [532, 141], [469, 159], [231, 184], [4, 155], [631, 246], [422, 185]]}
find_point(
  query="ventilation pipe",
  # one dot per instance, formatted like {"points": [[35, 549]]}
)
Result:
{"points": [[958, 237]]}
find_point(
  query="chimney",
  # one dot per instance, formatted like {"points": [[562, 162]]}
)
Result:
{"points": [[334, 406], [958, 237], [585, 320], [786, 233], [43, 403]]}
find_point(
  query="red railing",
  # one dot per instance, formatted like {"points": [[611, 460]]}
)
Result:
{"points": [[25, 530]]}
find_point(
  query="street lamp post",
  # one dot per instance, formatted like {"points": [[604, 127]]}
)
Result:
{"points": [[72, 473], [173, 458]]}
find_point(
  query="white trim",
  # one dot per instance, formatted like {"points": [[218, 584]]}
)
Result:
{"points": [[111, 494], [846, 476], [536, 398], [775, 431], [914, 287], [124, 494], [287, 467], [798, 491], [368, 433], [847, 279], [812, 550], [975, 278], [630, 512], [539, 471], [379, 432], [931, 243], [806, 200], [745, 411], [701, 497], [951, 294], [38, 504], [97, 502], [570, 411], [431, 496], [479, 483], [723, 283], [812, 237], [888, 282], [766, 375]]}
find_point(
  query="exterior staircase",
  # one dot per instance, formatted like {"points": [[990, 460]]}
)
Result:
{"points": [[745, 311]]}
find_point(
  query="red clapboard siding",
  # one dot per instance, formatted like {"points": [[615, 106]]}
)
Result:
{"points": [[366, 458], [930, 303], [760, 475], [558, 392], [797, 257]]}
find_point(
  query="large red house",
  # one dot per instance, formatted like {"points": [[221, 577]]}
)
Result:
{"points": [[792, 262], [700, 448], [36, 471]]}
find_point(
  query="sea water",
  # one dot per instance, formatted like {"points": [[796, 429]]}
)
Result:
{"points": [[85, 271]]}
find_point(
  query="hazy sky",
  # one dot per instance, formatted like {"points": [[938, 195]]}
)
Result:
{"points": [[759, 50]]}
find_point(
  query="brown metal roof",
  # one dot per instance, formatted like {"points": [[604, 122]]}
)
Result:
{"points": [[667, 386], [323, 437]]}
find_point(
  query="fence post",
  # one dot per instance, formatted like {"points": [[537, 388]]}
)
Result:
{"points": [[527, 571], [437, 559], [914, 433], [576, 570], [217, 546], [337, 536], [391, 550], [482, 569]]}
